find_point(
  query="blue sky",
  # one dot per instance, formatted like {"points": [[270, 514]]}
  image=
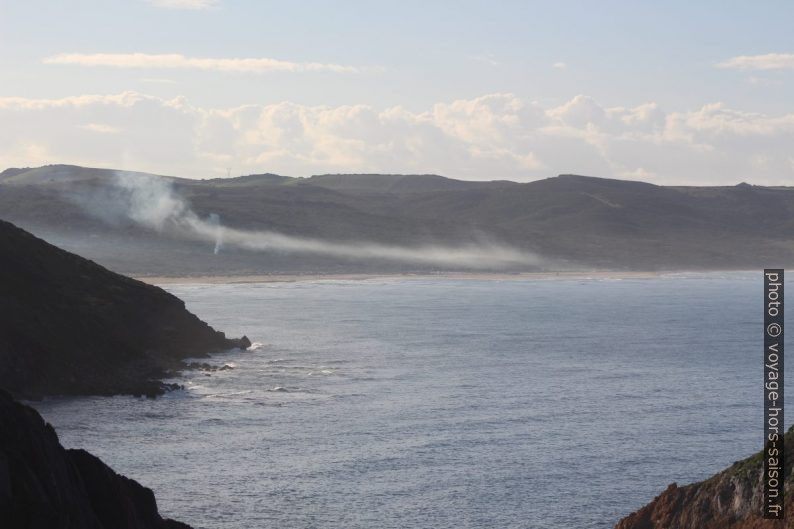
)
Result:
{"points": [[518, 90]]}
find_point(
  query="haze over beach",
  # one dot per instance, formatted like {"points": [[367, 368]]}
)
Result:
{"points": [[399, 265]]}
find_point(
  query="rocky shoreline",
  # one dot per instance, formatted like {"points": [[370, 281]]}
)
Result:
{"points": [[732, 499], [45, 486], [71, 327]]}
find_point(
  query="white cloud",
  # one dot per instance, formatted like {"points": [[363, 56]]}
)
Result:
{"points": [[157, 80], [489, 137], [770, 61], [186, 4], [560, 65], [101, 128], [487, 58], [177, 61], [578, 112], [125, 99]]}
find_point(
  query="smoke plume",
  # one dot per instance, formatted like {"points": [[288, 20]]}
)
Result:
{"points": [[152, 202]]}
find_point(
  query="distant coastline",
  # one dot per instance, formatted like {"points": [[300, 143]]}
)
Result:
{"points": [[396, 224], [477, 276]]}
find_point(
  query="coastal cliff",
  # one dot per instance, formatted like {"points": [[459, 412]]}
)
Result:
{"points": [[45, 486], [71, 327], [732, 499]]}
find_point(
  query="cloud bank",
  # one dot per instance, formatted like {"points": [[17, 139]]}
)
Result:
{"points": [[194, 5], [770, 61], [495, 136], [177, 61]]}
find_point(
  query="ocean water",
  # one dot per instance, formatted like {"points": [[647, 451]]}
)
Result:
{"points": [[444, 403]]}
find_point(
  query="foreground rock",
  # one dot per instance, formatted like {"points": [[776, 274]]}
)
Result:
{"points": [[733, 499], [44, 486], [69, 326]]}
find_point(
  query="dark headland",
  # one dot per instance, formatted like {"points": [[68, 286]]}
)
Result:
{"points": [[45, 486], [71, 327], [732, 499]]}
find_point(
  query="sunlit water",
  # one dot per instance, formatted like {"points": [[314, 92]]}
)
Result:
{"points": [[444, 403]]}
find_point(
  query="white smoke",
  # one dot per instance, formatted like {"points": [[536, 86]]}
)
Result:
{"points": [[153, 203], [215, 220]]}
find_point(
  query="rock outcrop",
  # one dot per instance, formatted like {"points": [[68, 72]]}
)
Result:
{"points": [[69, 326], [45, 486], [733, 499]]}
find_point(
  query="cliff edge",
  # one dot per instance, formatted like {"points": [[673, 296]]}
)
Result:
{"points": [[71, 327], [45, 486], [733, 499]]}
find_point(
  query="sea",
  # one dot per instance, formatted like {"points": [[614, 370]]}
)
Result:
{"points": [[399, 403]]}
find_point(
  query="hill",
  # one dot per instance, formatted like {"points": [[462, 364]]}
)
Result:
{"points": [[568, 222], [70, 326]]}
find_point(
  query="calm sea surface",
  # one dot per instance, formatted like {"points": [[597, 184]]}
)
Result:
{"points": [[444, 403]]}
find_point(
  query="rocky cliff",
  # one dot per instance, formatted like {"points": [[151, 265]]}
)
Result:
{"points": [[45, 486], [70, 326], [733, 499]]}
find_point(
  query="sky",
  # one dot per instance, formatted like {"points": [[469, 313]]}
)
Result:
{"points": [[665, 92]]}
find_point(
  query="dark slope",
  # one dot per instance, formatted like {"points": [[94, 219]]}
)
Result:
{"points": [[69, 326], [44, 486], [621, 224], [575, 221], [394, 183], [733, 499]]}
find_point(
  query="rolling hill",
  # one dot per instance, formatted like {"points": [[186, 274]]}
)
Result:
{"points": [[570, 221]]}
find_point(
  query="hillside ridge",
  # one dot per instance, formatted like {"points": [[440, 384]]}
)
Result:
{"points": [[573, 222]]}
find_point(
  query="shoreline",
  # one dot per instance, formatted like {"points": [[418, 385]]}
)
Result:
{"points": [[477, 276]]}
